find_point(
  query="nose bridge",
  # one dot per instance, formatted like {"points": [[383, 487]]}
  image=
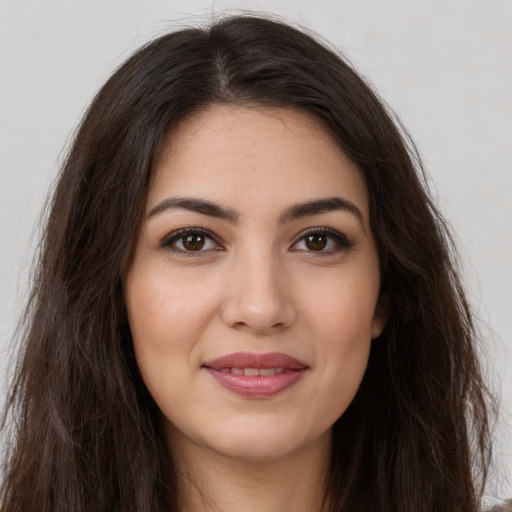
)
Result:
{"points": [[258, 295]]}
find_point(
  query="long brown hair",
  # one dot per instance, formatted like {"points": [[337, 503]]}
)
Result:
{"points": [[84, 430]]}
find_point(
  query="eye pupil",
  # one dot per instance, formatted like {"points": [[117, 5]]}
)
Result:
{"points": [[316, 242], [194, 242]]}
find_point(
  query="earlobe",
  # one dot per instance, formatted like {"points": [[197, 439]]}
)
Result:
{"points": [[377, 327], [380, 318]]}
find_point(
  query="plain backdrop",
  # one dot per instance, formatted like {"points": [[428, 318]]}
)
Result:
{"points": [[444, 66]]}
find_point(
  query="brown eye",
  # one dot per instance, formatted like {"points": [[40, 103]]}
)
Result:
{"points": [[189, 241], [323, 241], [316, 242], [194, 242]]}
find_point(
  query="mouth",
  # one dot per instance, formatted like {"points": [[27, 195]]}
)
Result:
{"points": [[253, 371], [256, 375]]}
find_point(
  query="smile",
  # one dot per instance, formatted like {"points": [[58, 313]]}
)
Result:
{"points": [[256, 375], [253, 371]]}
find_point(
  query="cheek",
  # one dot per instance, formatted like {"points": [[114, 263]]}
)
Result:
{"points": [[165, 310], [167, 316], [340, 321], [343, 307]]}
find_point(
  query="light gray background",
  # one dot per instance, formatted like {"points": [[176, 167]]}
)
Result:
{"points": [[444, 65]]}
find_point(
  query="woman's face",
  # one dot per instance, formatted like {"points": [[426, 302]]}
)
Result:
{"points": [[253, 289]]}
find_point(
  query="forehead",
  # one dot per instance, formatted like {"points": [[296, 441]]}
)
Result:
{"points": [[254, 156]]}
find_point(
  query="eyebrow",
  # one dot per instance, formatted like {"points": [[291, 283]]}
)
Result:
{"points": [[318, 206], [196, 205], [294, 212]]}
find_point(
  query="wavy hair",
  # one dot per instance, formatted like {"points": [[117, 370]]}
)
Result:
{"points": [[84, 432]]}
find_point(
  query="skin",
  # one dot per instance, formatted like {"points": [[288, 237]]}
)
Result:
{"points": [[256, 285]]}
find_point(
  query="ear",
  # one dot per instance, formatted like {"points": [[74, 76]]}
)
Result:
{"points": [[380, 317]]}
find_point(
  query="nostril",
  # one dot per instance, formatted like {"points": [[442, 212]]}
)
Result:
{"points": [[258, 329], [257, 313]]}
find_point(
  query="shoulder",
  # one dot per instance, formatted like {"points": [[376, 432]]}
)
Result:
{"points": [[506, 506]]}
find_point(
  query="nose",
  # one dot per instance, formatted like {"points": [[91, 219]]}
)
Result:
{"points": [[259, 295]]}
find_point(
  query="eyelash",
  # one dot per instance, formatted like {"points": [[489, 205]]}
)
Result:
{"points": [[175, 236], [342, 243]]}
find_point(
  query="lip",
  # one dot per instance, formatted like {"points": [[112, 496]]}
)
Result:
{"points": [[289, 372]]}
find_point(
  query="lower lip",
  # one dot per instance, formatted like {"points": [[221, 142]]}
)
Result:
{"points": [[257, 386]]}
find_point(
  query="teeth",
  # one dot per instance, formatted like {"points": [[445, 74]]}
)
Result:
{"points": [[253, 372]]}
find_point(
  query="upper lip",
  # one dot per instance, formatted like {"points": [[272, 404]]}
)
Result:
{"points": [[254, 360]]}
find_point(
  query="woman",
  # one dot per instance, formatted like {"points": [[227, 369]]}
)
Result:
{"points": [[245, 298]]}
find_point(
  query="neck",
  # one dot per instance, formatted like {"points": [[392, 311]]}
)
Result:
{"points": [[210, 482]]}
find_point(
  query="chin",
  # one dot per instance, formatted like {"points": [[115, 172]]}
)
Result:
{"points": [[266, 448], [258, 440]]}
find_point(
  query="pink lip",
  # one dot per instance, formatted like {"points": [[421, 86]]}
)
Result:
{"points": [[256, 386]]}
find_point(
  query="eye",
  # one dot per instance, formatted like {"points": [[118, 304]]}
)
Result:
{"points": [[190, 240], [322, 240]]}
